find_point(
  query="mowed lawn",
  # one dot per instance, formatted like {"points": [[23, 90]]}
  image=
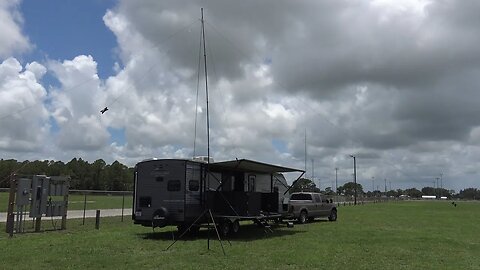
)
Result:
{"points": [[76, 202], [394, 235]]}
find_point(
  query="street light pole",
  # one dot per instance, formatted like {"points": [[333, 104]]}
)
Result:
{"points": [[336, 180], [355, 178], [441, 184], [373, 183]]}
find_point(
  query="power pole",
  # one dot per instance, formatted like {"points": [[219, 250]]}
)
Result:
{"points": [[336, 180], [385, 186], [355, 178], [305, 150], [313, 170], [390, 182], [373, 183], [441, 184]]}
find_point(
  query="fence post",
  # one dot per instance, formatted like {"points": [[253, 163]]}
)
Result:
{"points": [[11, 202], [84, 208], [97, 220], [65, 212], [123, 203]]}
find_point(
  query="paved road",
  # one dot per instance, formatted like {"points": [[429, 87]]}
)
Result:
{"points": [[89, 213]]}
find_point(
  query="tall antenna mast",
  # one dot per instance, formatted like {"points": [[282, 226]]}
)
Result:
{"points": [[206, 88], [305, 149]]}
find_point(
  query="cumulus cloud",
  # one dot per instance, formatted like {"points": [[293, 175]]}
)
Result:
{"points": [[22, 112], [13, 40], [75, 105]]}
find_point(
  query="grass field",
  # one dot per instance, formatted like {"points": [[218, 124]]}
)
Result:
{"points": [[395, 235], [76, 202]]}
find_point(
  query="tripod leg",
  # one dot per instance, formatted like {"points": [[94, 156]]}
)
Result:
{"points": [[181, 235], [218, 235]]}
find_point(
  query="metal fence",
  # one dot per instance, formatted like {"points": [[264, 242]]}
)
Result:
{"points": [[114, 203], [82, 204]]}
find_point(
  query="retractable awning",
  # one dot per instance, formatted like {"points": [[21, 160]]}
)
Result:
{"points": [[250, 166]]}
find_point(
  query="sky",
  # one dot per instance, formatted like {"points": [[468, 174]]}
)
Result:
{"points": [[293, 83]]}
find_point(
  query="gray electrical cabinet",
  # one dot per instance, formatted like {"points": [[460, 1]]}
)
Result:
{"points": [[24, 187], [40, 185], [58, 189]]}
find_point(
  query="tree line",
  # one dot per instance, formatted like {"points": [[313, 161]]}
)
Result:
{"points": [[348, 189], [97, 175]]}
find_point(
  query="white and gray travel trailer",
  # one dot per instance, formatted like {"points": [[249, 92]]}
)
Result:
{"points": [[177, 192]]}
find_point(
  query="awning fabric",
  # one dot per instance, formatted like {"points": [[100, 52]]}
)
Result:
{"points": [[249, 166]]}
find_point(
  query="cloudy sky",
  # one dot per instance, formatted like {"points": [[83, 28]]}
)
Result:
{"points": [[396, 83]]}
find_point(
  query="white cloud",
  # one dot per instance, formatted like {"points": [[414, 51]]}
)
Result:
{"points": [[23, 116], [76, 105], [13, 40]]}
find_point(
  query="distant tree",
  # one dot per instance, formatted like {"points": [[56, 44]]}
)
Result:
{"points": [[430, 191], [329, 191], [413, 193], [469, 194], [392, 193], [304, 184], [348, 189]]}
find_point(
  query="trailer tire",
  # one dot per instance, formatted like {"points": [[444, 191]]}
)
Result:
{"points": [[235, 226], [302, 219], [333, 215], [224, 228]]}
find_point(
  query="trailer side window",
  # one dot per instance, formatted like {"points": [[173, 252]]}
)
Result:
{"points": [[317, 198], [193, 185], [173, 185]]}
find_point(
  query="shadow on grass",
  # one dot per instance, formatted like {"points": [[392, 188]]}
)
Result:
{"points": [[247, 232]]}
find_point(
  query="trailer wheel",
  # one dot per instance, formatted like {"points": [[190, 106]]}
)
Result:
{"points": [[235, 226], [333, 215], [302, 219], [224, 228]]}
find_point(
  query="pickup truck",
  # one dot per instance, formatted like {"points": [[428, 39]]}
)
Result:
{"points": [[306, 206]]}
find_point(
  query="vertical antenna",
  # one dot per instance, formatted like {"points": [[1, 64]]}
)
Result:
{"points": [[206, 88], [305, 149], [313, 169]]}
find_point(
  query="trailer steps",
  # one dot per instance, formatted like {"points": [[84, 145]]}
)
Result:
{"points": [[264, 224]]}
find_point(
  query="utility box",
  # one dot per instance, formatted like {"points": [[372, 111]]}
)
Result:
{"points": [[24, 187], [58, 189], [40, 186]]}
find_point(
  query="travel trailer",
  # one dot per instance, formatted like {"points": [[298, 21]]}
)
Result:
{"points": [[178, 191]]}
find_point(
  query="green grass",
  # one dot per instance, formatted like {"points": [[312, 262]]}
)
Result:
{"points": [[395, 235], [76, 202]]}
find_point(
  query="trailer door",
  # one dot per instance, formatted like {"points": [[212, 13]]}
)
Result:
{"points": [[192, 190]]}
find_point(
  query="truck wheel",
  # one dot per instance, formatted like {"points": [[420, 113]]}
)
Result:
{"points": [[224, 228], [302, 219], [333, 215], [235, 226]]}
